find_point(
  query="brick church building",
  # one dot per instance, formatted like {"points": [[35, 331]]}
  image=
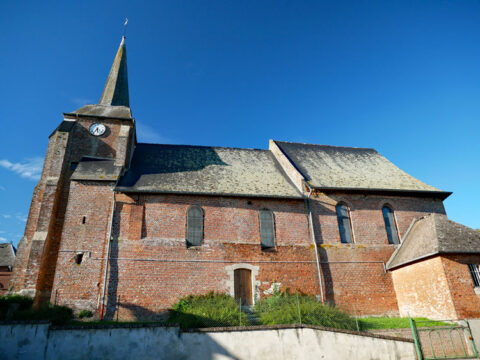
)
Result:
{"points": [[125, 228]]}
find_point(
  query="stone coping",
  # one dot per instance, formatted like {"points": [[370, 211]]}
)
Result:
{"points": [[207, 330], [297, 326]]}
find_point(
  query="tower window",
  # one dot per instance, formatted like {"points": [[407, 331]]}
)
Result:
{"points": [[84, 220], [390, 225], [194, 226], [267, 229], [344, 225]]}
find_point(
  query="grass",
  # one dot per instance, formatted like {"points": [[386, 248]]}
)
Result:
{"points": [[373, 323], [286, 308], [211, 310]]}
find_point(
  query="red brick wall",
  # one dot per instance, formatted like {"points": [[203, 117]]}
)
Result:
{"points": [[80, 285], [466, 301], [354, 273], [5, 275], [151, 266]]}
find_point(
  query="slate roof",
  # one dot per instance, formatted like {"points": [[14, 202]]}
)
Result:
{"points": [[96, 169], [206, 170], [120, 112], [335, 167], [434, 234], [116, 87], [7, 254]]}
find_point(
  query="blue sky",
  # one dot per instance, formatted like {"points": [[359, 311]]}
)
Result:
{"points": [[402, 77]]}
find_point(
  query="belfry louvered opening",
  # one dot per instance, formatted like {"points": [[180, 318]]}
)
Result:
{"points": [[267, 229], [194, 226]]}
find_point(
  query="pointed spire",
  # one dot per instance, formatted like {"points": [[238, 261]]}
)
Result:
{"points": [[115, 92]]}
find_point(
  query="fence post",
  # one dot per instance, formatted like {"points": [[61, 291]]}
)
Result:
{"points": [[356, 318], [416, 339], [240, 313], [299, 313], [475, 351], [118, 306]]}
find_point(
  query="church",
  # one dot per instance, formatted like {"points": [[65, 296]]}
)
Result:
{"points": [[124, 229]]}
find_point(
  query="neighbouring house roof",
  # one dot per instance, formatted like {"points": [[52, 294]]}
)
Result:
{"points": [[7, 254], [434, 234], [96, 169], [341, 168], [206, 170]]}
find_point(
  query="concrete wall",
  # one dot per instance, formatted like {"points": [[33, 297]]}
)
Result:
{"points": [[39, 342], [422, 290]]}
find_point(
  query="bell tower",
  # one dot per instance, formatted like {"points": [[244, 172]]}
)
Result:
{"points": [[92, 145]]}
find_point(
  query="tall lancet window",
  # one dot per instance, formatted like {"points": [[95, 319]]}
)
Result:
{"points": [[390, 225], [344, 224], [267, 229], [194, 226]]}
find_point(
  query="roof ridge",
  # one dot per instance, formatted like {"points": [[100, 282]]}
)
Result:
{"points": [[203, 146], [332, 146]]}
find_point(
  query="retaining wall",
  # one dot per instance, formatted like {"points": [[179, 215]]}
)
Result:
{"points": [[41, 341]]}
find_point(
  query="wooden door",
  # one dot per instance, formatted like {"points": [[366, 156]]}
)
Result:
{"points": [[243, 286]]}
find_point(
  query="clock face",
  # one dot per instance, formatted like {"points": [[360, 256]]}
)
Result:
{"points": [[97, 129]]}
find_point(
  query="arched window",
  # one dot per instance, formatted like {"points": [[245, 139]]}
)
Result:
{"points": [[343, 216], [267, 229], [194, 226], [390, 226]]}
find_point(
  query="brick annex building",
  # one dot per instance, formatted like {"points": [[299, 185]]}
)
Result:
{"points": [[114, 221]]}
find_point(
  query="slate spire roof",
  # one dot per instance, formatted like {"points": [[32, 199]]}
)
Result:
{"points": [[115, 92]]}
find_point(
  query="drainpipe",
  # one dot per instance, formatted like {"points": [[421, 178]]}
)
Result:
{"points": [[312, 235], [104, 290]]}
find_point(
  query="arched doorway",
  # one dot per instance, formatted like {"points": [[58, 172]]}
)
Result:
{"points": [[243, 286]]}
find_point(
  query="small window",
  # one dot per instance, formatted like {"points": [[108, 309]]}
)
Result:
{"points": [[78, 258], [84, 220], [344, 226], [267, 229], [390, 225], [195, 226], [475, 272]]}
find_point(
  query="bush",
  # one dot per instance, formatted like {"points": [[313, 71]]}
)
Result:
{"points": [[19, 307], [211, 310], [57, 315], [286, 308], [15, 303], [85, 314]]}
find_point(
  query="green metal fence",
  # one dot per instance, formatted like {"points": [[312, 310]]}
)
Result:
{"points": [[446, 340]]}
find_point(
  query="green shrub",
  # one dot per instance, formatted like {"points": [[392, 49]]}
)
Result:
{"points": [[57, 315], [85, 314], [14, 302], [211, 310], [286, 308]]}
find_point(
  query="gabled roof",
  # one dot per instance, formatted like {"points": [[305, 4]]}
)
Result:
{"points": [[434, 234], [207, 170], [120, 112], [7, 254], [96, 169], [342, 168]]}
